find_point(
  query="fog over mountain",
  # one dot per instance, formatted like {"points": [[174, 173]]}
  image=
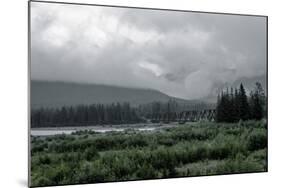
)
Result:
{"points": [[181, 54], [248, 83]]}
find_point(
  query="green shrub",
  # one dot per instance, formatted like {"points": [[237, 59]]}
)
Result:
{"points": [[91, 153], [257, 140], [41, 181], [44, 159], [146, 171], [238, 165]]}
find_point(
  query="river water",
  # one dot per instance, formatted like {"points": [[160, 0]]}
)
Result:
{"points": [[99, 129]]}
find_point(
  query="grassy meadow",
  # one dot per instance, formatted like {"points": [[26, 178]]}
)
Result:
{"points": [[202, 148]]}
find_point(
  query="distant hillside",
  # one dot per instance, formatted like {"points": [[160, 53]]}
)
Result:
{"points": [[57, 94]]}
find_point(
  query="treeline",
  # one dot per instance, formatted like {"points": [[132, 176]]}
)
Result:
{"points": [[83, 115], [235, 105], [171, 107]]}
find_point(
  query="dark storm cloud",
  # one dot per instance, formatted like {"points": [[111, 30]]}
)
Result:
{"points": [[182, 54]]}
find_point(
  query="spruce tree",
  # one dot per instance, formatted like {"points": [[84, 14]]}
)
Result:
{"points": [[256, 101], [232, 106], [227, 107], [219, 109], [243, 105], [236, 105]]}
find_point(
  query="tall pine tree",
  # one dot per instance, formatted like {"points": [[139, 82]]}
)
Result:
{"points": [[257, 99], [243, 105]]}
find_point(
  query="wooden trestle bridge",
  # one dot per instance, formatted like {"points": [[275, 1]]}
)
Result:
{"points": [[185, 116]]}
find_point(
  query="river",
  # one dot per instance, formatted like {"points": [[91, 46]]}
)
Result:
{"points": [[99, 129]]}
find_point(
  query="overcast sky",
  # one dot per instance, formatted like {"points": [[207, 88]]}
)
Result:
{"points": [[182, 54]]}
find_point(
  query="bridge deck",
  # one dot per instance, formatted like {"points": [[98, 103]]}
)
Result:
{"points": [[185, 116]]}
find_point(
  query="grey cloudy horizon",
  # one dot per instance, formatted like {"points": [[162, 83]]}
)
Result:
{"points": [[183, 54]]}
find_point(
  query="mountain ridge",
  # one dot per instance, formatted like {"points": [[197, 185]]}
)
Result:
{"points": [[56, 94]]}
